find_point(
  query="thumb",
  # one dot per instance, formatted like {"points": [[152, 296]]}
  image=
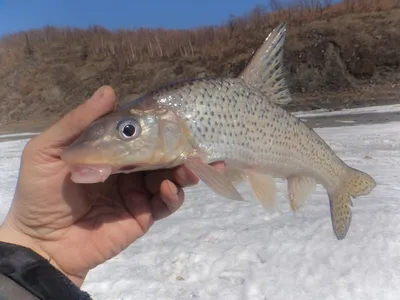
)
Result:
{"points": [[74, 123]]}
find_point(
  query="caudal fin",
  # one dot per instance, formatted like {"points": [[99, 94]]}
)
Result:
{"points": [[356, 184]]}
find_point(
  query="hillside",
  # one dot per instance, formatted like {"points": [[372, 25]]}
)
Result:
{"points": [[335, 56]]}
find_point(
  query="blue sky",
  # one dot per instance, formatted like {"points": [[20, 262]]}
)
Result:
{"points": [[18, 15]]}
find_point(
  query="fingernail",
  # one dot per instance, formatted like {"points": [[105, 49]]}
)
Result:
{"points": [[98, 94], [173, 188]]}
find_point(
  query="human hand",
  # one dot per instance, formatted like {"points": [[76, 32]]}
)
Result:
{"points": [[81, 226]]}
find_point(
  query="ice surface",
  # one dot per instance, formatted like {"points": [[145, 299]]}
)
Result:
{"points": [[361, 110], [214, 248]]}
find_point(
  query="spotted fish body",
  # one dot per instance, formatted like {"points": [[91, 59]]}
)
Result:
{"points": [[232, 122], [239, 121]]}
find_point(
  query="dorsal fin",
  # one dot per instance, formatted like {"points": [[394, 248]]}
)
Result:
{"points": [[265, 69]]}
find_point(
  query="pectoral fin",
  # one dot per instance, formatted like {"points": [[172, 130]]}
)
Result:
{"points": [[215, 180]]}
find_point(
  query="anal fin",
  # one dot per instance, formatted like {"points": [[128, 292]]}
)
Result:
{"points": [[299, 187], [264, 188], [216, 180]]}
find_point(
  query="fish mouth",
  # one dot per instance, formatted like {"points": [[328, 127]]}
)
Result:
{"points": [[90, 173], [97, 173], [88, 165]]}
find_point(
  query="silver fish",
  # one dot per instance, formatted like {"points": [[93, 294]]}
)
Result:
{"points": [[238, 121]]}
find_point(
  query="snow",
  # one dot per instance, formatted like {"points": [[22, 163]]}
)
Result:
{"points": [[21, 135], [361, 110], [214, 248]]}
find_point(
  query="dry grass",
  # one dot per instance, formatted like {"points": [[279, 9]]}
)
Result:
{"points": [[334, 55]]}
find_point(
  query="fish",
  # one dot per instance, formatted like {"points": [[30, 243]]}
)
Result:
{"points": [[240, 121]]}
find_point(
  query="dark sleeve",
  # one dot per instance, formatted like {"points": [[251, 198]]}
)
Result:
{"points": [[10, 290], [26, 275]]}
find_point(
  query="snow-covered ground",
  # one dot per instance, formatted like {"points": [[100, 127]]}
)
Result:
{"points": [[353, 111], [214, 248]]}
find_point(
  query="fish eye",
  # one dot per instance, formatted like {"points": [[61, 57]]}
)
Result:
{"points": [[128, 129]]}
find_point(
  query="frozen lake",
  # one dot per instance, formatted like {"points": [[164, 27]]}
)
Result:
{"points": [[214, 248]]}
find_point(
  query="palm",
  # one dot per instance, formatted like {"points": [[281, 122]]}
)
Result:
{"points": [[81, 226], [89, 223]]}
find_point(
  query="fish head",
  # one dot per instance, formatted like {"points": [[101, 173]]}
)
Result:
{"points": [[126, 141]]}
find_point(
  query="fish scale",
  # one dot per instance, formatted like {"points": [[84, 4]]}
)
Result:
{"points": [[272, 139], [239, 121]]}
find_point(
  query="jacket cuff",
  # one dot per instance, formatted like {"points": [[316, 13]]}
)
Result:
{"points": [[36, 274]]}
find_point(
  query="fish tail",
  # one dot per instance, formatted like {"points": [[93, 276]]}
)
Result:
{"points": [[356, 183]]}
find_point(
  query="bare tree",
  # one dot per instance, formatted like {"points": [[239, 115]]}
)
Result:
{"points": [[231, 24], [327, 3], [275, 5]]}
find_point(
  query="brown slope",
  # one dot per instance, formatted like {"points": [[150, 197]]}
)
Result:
{"points": [[342, 55]]}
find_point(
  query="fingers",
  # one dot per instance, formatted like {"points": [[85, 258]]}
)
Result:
{"points": [[160, 206], [139, 207], [71, 125], [169, 200], [181, 176], [219, 165], [167, 187], [146, 209], [163, 187]]}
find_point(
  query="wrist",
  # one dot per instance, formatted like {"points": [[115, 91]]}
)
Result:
{"points": [[11, 235], [34, 275]]}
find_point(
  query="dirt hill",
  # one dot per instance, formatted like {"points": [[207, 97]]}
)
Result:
{"points": [[335, 56]]}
